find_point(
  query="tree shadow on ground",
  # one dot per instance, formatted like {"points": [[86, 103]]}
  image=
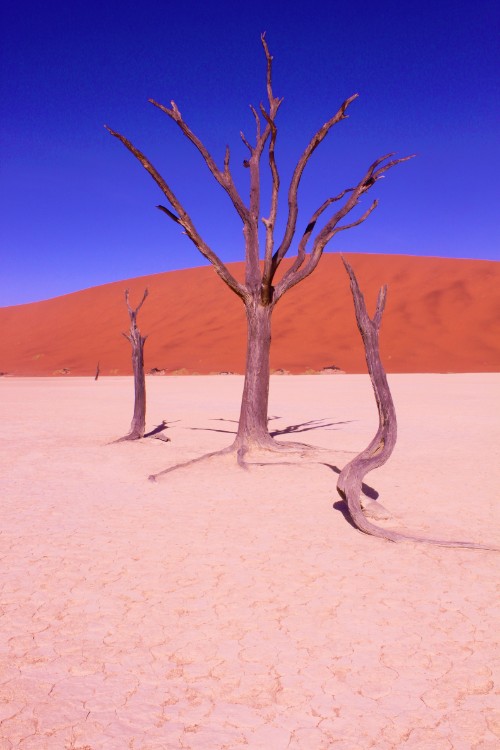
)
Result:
{"points": [[341, 506], [164, 425], [313, 424]]}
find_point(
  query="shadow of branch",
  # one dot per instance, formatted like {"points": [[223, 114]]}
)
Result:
{"points": [[159, 428], [313, 424]]}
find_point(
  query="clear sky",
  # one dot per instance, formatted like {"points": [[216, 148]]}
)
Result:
{"points": [[78, 210]]}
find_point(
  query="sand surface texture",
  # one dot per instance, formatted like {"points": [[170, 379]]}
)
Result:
{"points": [[222, 609], [442, 315]]}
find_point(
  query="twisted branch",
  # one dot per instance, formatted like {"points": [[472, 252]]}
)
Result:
{"points": [[380, 449]]}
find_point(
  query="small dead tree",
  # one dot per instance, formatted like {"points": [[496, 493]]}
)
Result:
{"points": [[378, 452], [137, 341], [259, 292]]}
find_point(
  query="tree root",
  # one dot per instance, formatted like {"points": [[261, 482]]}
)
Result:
{"points": [[242, 451], [156, 432], [125, 438], [191, 462], [351, 495], [136, 436]]}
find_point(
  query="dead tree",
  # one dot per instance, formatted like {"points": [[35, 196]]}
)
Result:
{"points": [[137, 341], [259, 292], [349, 484]]}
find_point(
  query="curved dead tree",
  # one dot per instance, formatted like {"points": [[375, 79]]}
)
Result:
{"points": [[137, 341], [260, 292], [350, 481]]}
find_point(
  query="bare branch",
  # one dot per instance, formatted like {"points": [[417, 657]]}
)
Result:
{"points": [[360, 220], [370, 178], [381, 300], [380, 172], [270, 222], [257, 122], [223, 178], [183, 218], [274, 104], [293, 209], [133, 313], [249, 147], [249, 216], [171, 197], [226, 161], [253, 275], [134, 331], [253, 278], [374, 173], [169, 213], [269, 59], [301, 252]]}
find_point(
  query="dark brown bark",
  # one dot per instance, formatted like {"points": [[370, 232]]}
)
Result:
{"points": [[349, 485], [252, 426], [258, 292], [138, 424]]}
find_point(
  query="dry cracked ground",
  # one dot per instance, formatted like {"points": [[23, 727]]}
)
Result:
{"points": [[220, 609]]}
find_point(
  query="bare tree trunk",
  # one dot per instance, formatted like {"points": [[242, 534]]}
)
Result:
{"points": [[252, 428], [379, 450], [138, 424]]}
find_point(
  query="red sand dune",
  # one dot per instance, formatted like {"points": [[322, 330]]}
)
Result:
{"points": [[442, 315]]}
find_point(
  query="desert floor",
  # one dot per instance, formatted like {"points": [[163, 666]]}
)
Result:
{"points": [[219, 608]]}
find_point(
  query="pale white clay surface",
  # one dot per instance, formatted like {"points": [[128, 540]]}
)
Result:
{"points": [[220, 608]]}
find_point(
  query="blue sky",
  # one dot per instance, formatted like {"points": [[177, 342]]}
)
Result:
{"points": [[78, 211]]}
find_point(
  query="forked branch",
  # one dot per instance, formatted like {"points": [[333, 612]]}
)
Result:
{"points": [[380, 449], [301, 251], [306, 263], [133, 313]]}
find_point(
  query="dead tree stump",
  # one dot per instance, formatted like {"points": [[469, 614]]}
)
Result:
{"points": [[138, 425]]}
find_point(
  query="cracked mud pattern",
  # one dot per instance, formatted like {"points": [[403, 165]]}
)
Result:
{"points": [[221, 609]]}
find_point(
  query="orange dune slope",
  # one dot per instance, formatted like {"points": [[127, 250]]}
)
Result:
{"points": [[442, 315]]}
